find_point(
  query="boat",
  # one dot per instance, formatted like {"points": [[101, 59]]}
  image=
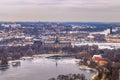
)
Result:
{"points": [[86, 68], [27, 58], [4, 66], [83, 67], [16, 63]]}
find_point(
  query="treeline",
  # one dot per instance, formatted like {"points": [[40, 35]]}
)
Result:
{"points": [[85, 51]]}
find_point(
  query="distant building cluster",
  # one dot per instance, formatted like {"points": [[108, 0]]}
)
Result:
{"points": [[56, 35]]}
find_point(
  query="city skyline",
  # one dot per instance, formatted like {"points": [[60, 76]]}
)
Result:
{"points": [[60, 10]]}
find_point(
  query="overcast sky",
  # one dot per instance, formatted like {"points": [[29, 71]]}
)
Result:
{"points": [[60, 10]]}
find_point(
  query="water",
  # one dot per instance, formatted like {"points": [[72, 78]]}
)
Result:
{"points": [[42, 69]]}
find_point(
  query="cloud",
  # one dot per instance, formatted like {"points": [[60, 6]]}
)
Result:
{"points": [[60, 9], [28, 2], [64, 3]]}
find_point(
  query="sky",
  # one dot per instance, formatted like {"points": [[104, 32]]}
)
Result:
{"points": [[60, 10]]}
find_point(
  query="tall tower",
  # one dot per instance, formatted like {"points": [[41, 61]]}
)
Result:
{"points": [[111, 30]]}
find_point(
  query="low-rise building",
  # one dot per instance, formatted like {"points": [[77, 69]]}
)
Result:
{"points": [[113, 38], [56, 43]]}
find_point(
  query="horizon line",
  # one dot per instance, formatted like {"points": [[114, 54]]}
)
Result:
{"points": [[66, 21]]}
